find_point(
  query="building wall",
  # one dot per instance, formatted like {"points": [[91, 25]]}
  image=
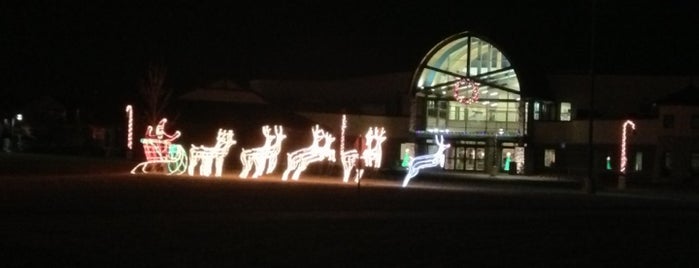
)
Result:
{"points": [[571, 144]]}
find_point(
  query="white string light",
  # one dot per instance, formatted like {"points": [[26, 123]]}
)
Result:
{"points": [[207, 157], [299, 160], [159, 149], [265, 156], [427, 161], [622, 162], [129, 127]]}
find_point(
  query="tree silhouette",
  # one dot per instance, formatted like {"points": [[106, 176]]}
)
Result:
{"points": [[155, 95]]}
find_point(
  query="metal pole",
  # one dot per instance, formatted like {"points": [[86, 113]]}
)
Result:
{"points": [[589, 185]]}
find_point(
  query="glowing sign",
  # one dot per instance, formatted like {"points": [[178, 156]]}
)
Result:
{"points": [[264, 156], [207, 157], [160, 150], [466, 84], [622, 162], [427, 161], [371, 156], [299, 160], [129, 133]]}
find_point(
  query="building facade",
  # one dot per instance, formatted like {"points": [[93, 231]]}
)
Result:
{"points": [[466, 90]]}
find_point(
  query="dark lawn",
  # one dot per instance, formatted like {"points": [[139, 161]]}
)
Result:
{"points": [[103, 216]]}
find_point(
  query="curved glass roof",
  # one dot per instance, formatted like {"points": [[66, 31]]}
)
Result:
{"points": [[465, 56]]}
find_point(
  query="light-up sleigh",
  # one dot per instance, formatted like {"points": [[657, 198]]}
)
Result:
{"points": [[161, 154]]}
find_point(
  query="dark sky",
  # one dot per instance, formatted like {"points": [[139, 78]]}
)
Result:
{"points": [[90, 49]]}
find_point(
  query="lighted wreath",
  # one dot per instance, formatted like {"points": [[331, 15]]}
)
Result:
{"points": [[466, 84]]}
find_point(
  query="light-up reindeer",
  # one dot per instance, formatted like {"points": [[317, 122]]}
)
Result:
{"points": [[159, 150], [299, 160], [427, 161], [264, 156], [275, 149], [371, 156], [207, 157]]}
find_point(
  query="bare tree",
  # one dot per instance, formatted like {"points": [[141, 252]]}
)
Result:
{"points": [[155, 95]]}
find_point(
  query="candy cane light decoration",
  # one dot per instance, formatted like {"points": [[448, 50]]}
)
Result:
{"points": [[129, 129], [622, 162], [342, 134]]}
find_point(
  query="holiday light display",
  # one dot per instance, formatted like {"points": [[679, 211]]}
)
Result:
{"points": [[299, 160], [129, 127], [427, 161], [159, 150], [406, 159], [265, 156], [342, 134], [372, 154], [622, 162], [207, 157], [466, 84]]}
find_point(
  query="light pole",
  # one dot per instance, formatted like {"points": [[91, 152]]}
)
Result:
{"points": [[589, 181]]}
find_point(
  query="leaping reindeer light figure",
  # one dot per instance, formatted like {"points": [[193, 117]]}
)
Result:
{"points": [[371, 156], [211, 156], [427, 161], [299, 160], [266, 155]]}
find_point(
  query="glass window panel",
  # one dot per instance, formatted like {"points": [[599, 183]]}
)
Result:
{"points": [[565, 111], [638, 163], [549, 157]]}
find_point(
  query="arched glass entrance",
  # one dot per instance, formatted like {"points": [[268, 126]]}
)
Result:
{"points": [[466, 89]]}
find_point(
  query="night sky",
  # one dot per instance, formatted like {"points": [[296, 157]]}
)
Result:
{"points": [[91, 50]]}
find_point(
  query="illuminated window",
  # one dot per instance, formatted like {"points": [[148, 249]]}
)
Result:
{"points": [[565, 111], [638, 163], [549, 157], [431, 108], [456, 112], [442, 109], [668, 121]]}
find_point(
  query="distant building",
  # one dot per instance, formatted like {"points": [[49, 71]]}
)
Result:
{"points": [[497, 118], [508, 125], [467, 90]]}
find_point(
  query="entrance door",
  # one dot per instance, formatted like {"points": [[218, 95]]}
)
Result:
{"points": [[475, 158], [480, 159], [465, 158]]}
